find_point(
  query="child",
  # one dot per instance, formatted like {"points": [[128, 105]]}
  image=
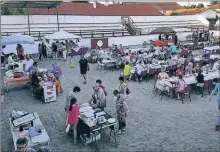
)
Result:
{"points": [[127, 70], [71, 63]]}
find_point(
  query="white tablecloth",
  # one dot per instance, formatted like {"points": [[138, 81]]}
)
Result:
{"points": [[105, 61], [192, 79], [33, 141]]}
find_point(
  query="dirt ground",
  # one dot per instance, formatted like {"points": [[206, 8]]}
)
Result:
{"points": [[152, 124]]}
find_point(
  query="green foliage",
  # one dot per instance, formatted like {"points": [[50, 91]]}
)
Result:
{"points": [[213, 2], [200, 5], [13, 11]]}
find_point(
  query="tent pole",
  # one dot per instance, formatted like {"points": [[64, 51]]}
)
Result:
{"points": [[58, 25], [29, 28]]}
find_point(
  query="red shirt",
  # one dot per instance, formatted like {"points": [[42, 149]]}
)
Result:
{"points": [[103, 88], [180, 72], [72, 116]]}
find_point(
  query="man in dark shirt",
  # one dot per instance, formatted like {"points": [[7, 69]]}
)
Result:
{"points": [[54, 48], [84, 67]]}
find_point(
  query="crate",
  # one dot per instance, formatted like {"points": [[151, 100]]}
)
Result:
{"points": [[87, 140]]}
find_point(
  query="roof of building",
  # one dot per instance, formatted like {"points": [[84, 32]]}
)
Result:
{"points": [[100, 10], [189, 11], [216, 6], [158, 5]]}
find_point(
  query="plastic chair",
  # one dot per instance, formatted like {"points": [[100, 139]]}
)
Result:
{"points": [[186, 91]]}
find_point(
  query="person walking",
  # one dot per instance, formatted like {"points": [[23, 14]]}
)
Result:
{"points": [[217, 88], [72, 117], [84, 67], [39, 51], [44, 50], [121, 108]]}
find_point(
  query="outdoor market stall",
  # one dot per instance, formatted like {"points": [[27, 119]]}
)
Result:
{"points": [[28, 125], [16, 75], [92, 122]]}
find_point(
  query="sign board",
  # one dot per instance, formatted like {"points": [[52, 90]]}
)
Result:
{"points": [[49, 92]]}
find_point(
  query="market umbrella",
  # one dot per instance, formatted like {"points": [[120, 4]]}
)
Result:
{"points": [[28, 48], [17, 39], [62, 35]]}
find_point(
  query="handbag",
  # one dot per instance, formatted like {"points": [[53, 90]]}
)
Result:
{"points": [[127, 91], [67, 128]]}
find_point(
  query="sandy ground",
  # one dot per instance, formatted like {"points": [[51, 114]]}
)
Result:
{"points": [[152, 124]]}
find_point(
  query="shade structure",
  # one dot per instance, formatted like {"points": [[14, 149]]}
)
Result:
{"points": [[163, 30], [28, 49], [17, 39], [62, 35]]}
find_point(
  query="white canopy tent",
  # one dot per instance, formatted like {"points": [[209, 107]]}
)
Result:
{"points": [[17, 39], [28, 49], [62, 35]]}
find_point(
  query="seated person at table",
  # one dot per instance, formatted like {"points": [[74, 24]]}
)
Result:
{"points": [[206, 67], [181, 60], [197, 68], [216, 65], [161, 56], [180, 71], [189, 68], [180, 85], [132, 57], [11, 61], [200, 79], [33, 68], [174, 57], [206, 57], [72, 117], [169, 61], [161, 84], [154, 61], [127, 70], [22, 146], [17, 69], [28, 62], [127, 58], [98, 98]]}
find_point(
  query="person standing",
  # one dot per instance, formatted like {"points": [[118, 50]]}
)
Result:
{"points": [[217, 88], [98, 99], [121, 108], [84, 67], [64, 51], [54, 48], [71, 94], [39, 51], [127, 70], [72, 117], [123, 86], [58, 73], [44, 50]]}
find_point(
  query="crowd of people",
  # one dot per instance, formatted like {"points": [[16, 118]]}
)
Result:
{"points": [[180, 59]]}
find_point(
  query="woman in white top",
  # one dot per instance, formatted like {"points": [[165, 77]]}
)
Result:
{"points": [[64, 51], [11, 61], [161, 83], [28, 62]]}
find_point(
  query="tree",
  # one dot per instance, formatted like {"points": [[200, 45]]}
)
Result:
{"points": [[213, 2], [13, 11], [193, 6], [200, 5]]}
